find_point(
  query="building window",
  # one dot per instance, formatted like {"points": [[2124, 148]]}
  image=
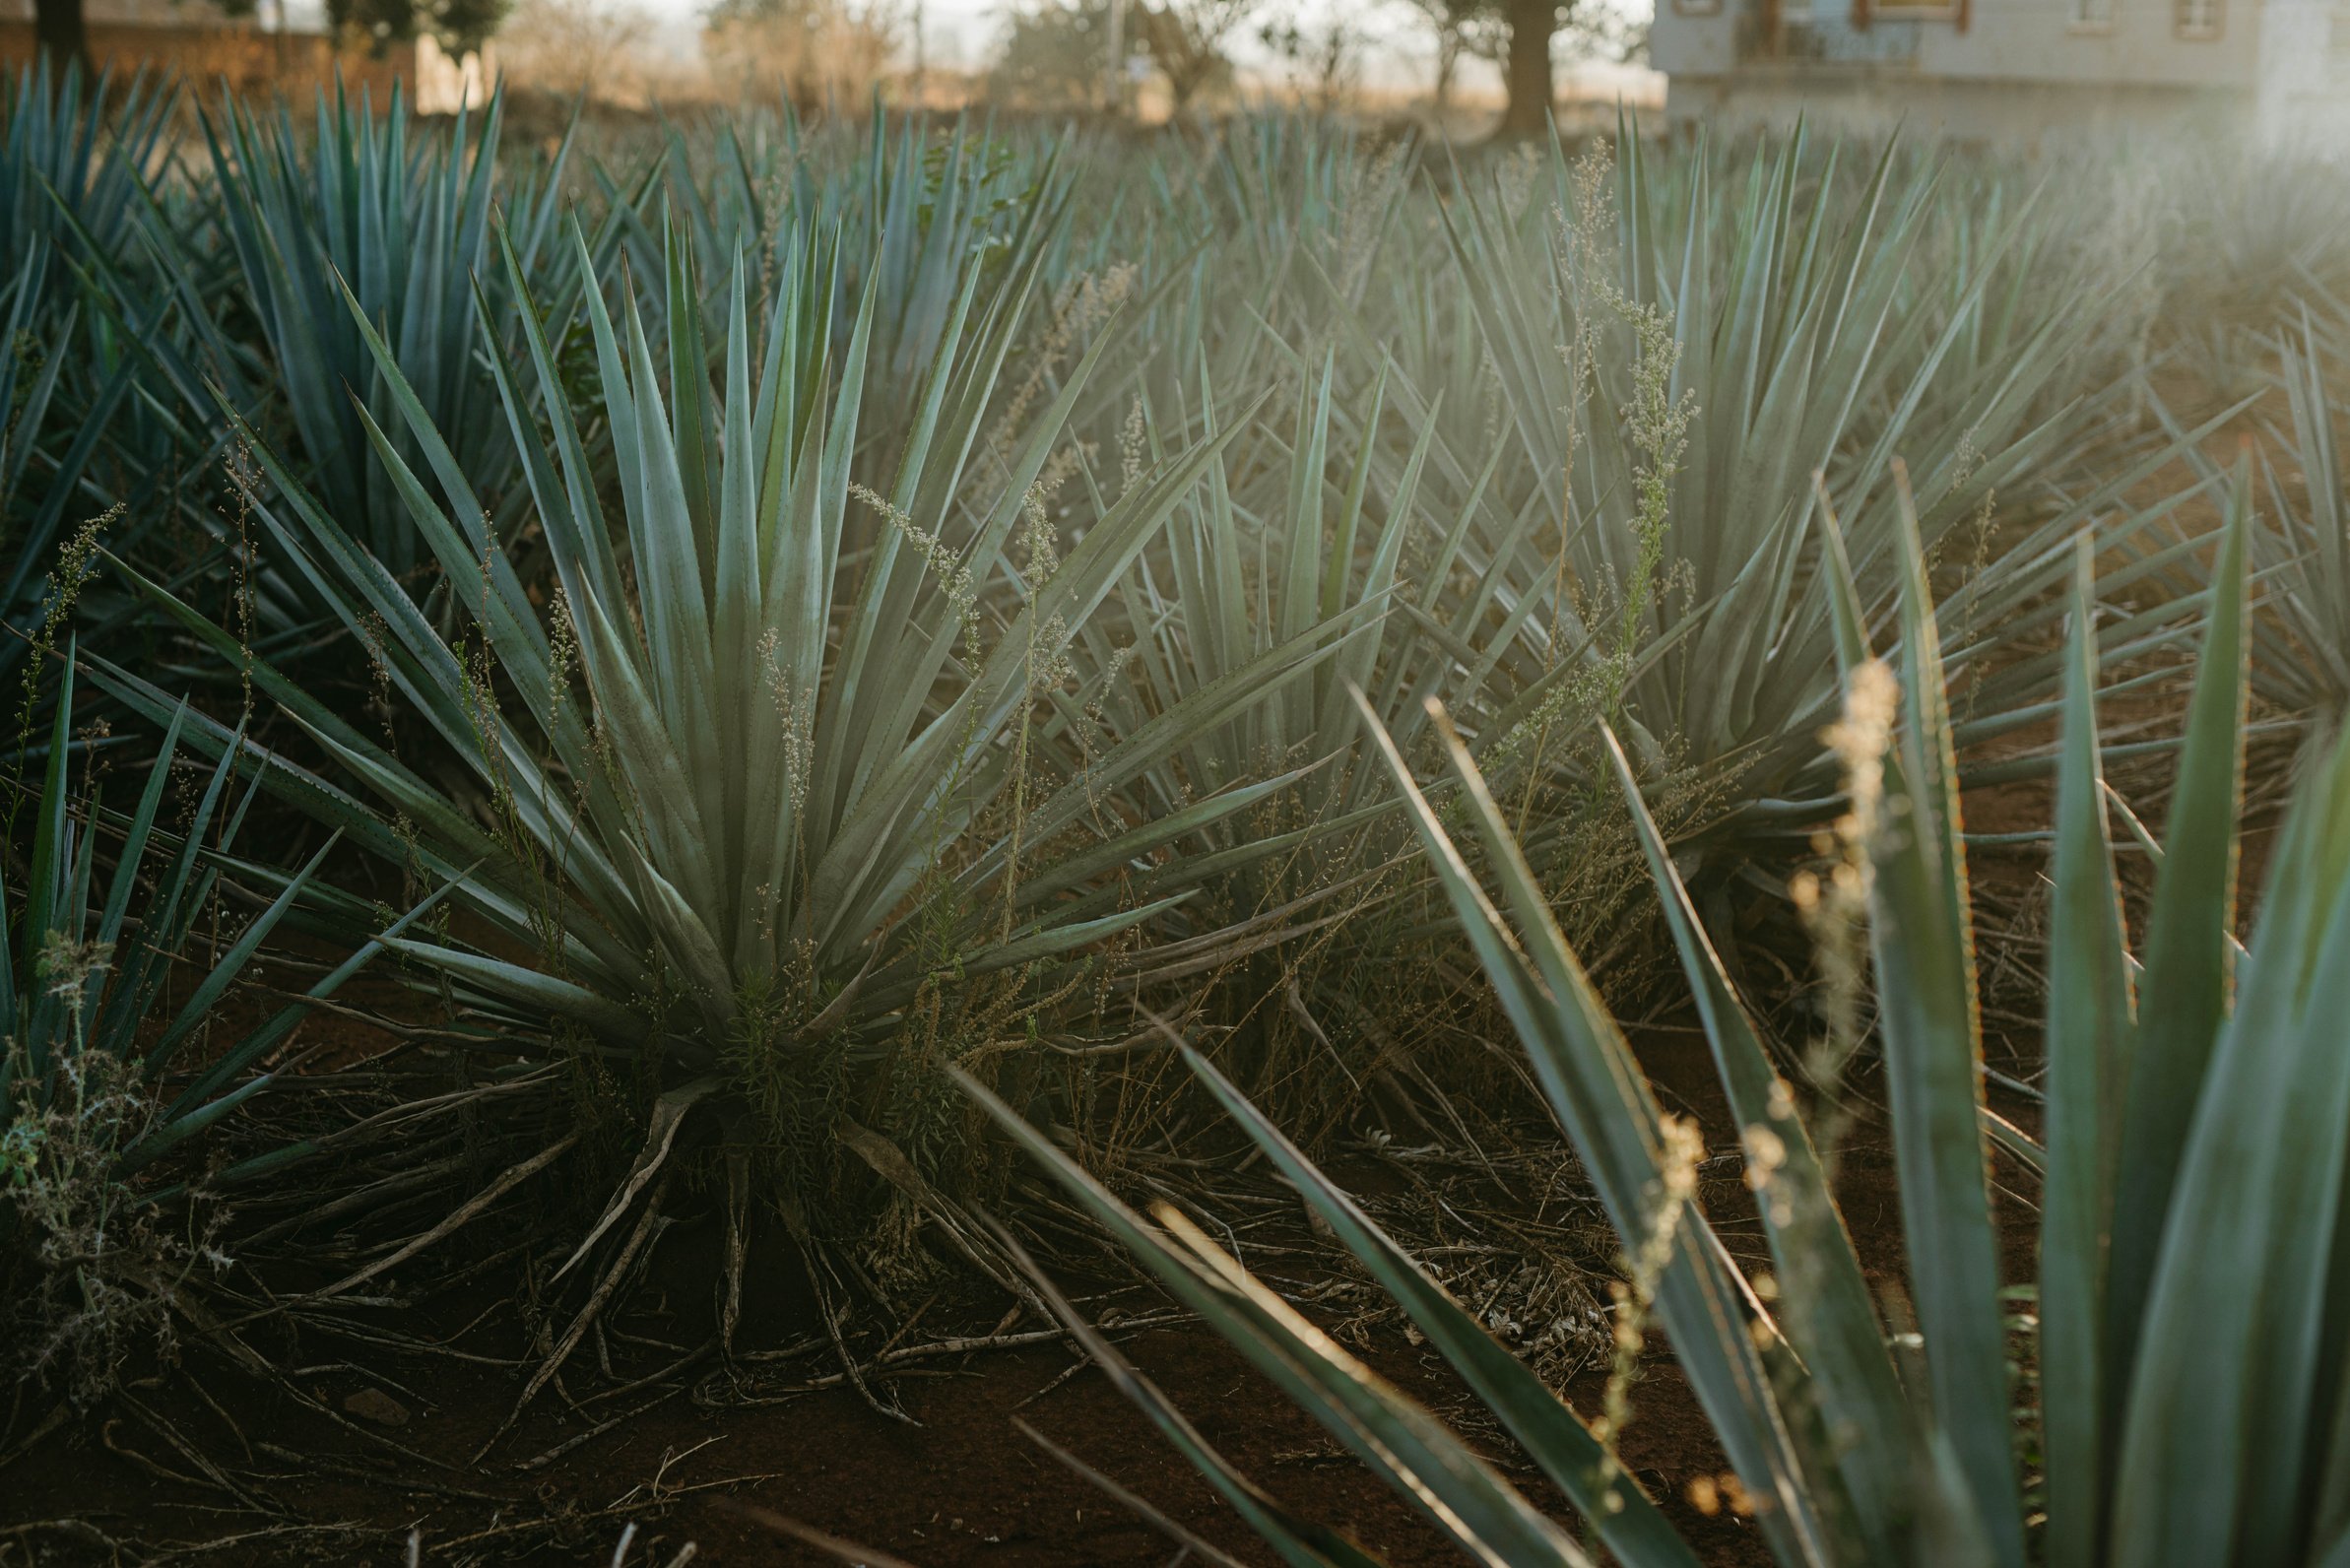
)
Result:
{"points": [[2199, 20], [2095, 16]]}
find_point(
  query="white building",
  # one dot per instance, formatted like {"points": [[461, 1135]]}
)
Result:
{"points": [[2009, 68]]}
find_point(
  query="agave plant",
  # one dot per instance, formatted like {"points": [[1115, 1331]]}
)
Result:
{"points": [[118, 1064], [1679, 352], [74, 444], [796, 791], [73, 156], [2192, 1392], [47, 456], [2301, 640], [1303, 532], [2244, 229], [2307, 557], [398, 213], [913, 205]]}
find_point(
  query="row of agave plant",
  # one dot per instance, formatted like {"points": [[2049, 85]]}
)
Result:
{"points": [[774, 624]]}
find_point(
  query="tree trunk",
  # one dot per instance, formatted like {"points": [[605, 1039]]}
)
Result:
{"points": [[1527, 73], [62, 33]]}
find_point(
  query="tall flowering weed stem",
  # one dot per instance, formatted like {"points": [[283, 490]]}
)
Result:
{"points": [[1634, 1296], [1834, 901]]}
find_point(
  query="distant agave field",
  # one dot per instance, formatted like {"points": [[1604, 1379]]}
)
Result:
{"points": [[746, 670]]}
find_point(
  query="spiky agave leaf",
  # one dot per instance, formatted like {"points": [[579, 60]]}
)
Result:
{"points": [[1459, 1492], [2215, 1432]]}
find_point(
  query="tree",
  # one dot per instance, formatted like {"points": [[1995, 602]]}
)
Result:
{"points": [[1525, 72], [570, 46], [1519, 37], [1186, 40], [821, 51], [1461, 27], [1325, 57], [459, 25], [61, 32], [1056, 53]]}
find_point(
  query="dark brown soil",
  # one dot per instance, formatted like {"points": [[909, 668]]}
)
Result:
{"points": [[963, 1488]]}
